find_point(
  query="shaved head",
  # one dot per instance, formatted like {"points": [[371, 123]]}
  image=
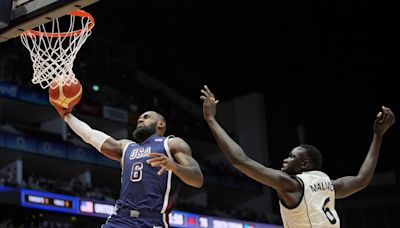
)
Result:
{"points": [[159, 116]]}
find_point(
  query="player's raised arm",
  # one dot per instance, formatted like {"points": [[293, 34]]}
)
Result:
{"points": [[348, 185], [104, 143], [276, 179]]}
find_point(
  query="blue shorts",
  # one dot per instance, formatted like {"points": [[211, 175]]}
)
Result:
{"points": [[125, 218]]}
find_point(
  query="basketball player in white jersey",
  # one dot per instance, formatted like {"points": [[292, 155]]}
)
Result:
{"points": [[307, 195]]}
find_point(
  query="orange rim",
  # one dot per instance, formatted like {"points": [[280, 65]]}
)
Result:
{"points": [[79, 13]]}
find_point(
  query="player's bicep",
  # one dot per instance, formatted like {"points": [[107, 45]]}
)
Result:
{"points": [[184, 159], [276, 179], [345, 186], [181, 152]]}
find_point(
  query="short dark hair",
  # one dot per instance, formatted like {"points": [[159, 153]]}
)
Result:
{"points": [[314, 154]]}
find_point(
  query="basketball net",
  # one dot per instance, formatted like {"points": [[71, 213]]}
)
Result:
{"points": [[53, 49]]}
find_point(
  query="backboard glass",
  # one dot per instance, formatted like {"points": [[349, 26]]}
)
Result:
{"points": [[28, 14]]}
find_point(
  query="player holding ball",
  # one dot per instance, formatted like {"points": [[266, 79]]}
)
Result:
{"points": [[153, 165]]}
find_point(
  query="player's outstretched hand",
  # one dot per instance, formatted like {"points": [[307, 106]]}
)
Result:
{"points": [[157, 159], [384, 120], [209, 103], [61, 111]]}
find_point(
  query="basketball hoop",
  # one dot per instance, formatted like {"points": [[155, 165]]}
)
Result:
{"points": [[53, 48]]}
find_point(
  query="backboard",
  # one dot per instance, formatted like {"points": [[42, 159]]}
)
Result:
{"points": [[28, 14]]}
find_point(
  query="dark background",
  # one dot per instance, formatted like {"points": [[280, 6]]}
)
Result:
{"points": [[327, 66], [240, 46]]}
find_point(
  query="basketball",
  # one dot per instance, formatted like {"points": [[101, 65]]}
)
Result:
{"points": [[67, 95]]}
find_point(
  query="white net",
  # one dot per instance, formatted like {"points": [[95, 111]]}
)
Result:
{"points": [[53, 49]]}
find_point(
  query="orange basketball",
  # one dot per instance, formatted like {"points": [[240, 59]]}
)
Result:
{"points": [[65, 96]]}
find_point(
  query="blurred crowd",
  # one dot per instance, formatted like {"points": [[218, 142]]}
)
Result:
{"points": [[119, 88]]}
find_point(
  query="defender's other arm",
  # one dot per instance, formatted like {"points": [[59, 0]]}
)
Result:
{"points": [[346, 186]]}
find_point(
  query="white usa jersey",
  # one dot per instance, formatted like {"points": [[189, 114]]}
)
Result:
{"points": [[317, 206]]}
